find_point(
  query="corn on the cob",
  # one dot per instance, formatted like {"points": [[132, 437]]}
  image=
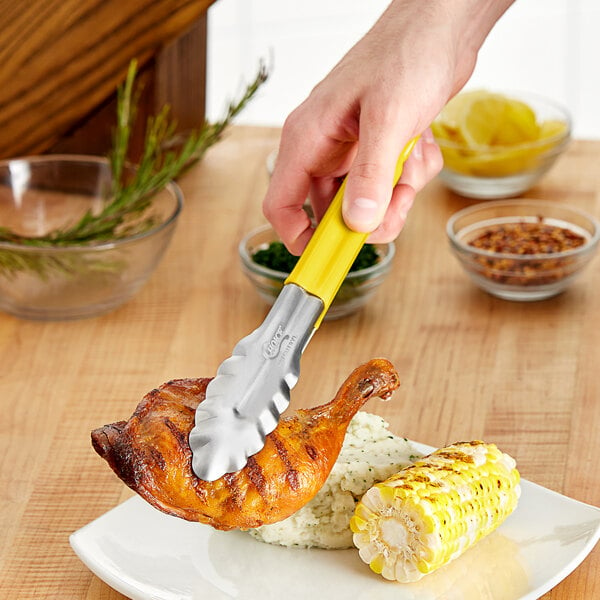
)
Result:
{"points": [[431, 512]]}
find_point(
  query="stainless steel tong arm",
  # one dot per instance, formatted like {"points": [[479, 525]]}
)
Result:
{"points": [[252, 387]]}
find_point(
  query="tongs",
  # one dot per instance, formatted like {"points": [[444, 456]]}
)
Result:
{"points": [[252, 387]]}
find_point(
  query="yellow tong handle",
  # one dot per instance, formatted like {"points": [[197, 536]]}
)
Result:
{"points": [[333, 248]]}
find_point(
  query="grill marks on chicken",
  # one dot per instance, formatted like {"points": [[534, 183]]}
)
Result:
{"points": [[150, 453]]}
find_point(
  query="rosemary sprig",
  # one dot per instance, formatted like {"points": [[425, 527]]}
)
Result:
{"points": [[162, 160]]}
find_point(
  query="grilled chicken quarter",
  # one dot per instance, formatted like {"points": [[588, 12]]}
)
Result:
{"points": [[151, 454]]}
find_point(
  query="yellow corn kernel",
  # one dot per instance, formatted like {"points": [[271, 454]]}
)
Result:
{"points": [[431, 512]]}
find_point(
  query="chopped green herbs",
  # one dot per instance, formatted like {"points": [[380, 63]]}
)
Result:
{"points": [[277, 257], [366, 258]]}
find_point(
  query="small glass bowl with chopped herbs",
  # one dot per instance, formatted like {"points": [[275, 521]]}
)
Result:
{"points": [[267, 263]]}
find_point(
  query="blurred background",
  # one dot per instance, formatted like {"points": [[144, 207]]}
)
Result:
{"points": [[550, 47]]}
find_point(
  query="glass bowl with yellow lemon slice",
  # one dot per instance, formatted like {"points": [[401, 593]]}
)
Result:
{"points": [[498, 145]]}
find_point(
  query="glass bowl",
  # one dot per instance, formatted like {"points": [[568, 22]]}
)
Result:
{"points": [[44, 194], [501, 171], [522, 276], [354, 293]]}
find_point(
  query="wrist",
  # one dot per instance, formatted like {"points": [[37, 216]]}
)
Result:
{"points": [[471, 22], [476, 18], [460, 26]]}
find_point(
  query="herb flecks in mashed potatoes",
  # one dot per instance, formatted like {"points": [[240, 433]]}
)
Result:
{"points": [[371, 453]]}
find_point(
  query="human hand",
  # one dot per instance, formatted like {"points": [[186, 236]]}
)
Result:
{"points": [[385, 91]]}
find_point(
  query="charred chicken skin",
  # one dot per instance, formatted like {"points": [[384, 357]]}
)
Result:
{"points": [[151, 454]]}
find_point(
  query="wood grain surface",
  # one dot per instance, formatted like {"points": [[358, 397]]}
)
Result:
{"points": [[63, 59], [523, 375]]}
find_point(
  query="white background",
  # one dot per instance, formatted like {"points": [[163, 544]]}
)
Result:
{"points": [[550, 47]]}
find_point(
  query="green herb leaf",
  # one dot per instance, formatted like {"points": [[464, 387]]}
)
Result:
{"points": [[162, 160]]}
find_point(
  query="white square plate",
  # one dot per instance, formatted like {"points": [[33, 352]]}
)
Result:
{"points": [[148, 555]]}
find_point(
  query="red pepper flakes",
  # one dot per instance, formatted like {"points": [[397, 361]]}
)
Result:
{"points": [[526, 238]]}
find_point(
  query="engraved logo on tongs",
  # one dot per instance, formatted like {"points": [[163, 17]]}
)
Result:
{"points": [[271, 348]]}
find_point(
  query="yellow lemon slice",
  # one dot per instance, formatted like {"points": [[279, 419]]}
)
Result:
{"points": [[493, 135], [483, 121], [517, 124], [552, 128], [453, 118]]}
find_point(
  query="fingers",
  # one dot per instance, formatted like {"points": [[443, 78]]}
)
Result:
{"points": [[283, 202], [294, 225], [322, 190], [424, 163], [401, 202], [370, 205], [368, 185]]}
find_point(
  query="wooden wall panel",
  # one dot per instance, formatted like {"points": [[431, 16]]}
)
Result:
{"points": [[62, 60]]}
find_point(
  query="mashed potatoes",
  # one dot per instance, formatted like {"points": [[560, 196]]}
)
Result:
{"points": [[370, 453]]}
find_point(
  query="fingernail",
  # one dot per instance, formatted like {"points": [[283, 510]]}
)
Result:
{"points": [[406, 206], [428, 136], [361, 214], [418, 149]]}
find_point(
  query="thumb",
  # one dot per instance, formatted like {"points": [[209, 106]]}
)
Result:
{"points": [[369, 183]]}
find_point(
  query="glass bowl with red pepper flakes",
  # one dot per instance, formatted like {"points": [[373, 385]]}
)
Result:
{"points": [[523, 249], [267, 263]]}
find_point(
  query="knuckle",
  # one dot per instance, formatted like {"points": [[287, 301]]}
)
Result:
{"points": [[366, 170], [267, 210], [437, 160]]}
